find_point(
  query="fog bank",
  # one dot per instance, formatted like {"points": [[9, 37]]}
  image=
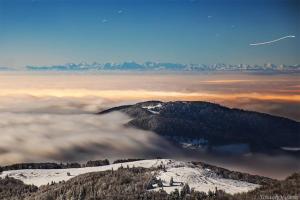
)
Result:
{"points": [[64, 131]]}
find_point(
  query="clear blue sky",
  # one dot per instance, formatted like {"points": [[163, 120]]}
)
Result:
{"points": [[45, 32]]}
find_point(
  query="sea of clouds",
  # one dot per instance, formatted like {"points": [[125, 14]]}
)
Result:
{"points": [[65, 130]]}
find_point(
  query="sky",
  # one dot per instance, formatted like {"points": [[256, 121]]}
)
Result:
{"points": [[44, 32]]}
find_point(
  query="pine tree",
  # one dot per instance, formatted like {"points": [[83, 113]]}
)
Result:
{"points": [[185, 190], [171, 181], [159, 183]]}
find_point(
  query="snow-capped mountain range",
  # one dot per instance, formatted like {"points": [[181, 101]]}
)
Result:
{"points": [[164, 66]]}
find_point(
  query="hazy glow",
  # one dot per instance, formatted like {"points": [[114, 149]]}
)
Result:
{"points": [[276, 94], [144, 95]]}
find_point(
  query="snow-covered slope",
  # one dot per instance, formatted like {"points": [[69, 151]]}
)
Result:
{"points": [[200, 179], [181, 172], [40, 177]]}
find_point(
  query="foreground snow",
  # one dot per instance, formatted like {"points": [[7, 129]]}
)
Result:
{"points": [[182, 172], [40, 177], [200, 179]]}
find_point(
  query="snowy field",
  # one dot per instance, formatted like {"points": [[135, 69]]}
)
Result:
{"points": [[182, 172]]}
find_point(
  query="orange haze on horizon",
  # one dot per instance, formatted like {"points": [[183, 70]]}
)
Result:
{"points": [[275, 94]]}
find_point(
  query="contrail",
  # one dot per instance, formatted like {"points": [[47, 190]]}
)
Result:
{"points": [[261, 43]]}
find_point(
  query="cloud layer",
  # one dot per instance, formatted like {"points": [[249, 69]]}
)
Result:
{"points": [[57, 131]]}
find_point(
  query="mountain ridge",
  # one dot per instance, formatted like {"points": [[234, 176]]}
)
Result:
{"points": [[212, 124]]}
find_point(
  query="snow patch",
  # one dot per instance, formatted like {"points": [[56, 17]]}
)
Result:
{"points": [[291, 148], [153, 108]]}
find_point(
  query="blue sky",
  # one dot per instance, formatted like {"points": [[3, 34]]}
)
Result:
{"points": [[46, 32]]}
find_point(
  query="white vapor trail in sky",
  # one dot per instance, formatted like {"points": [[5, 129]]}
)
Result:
{"points": [[262, 43]]}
